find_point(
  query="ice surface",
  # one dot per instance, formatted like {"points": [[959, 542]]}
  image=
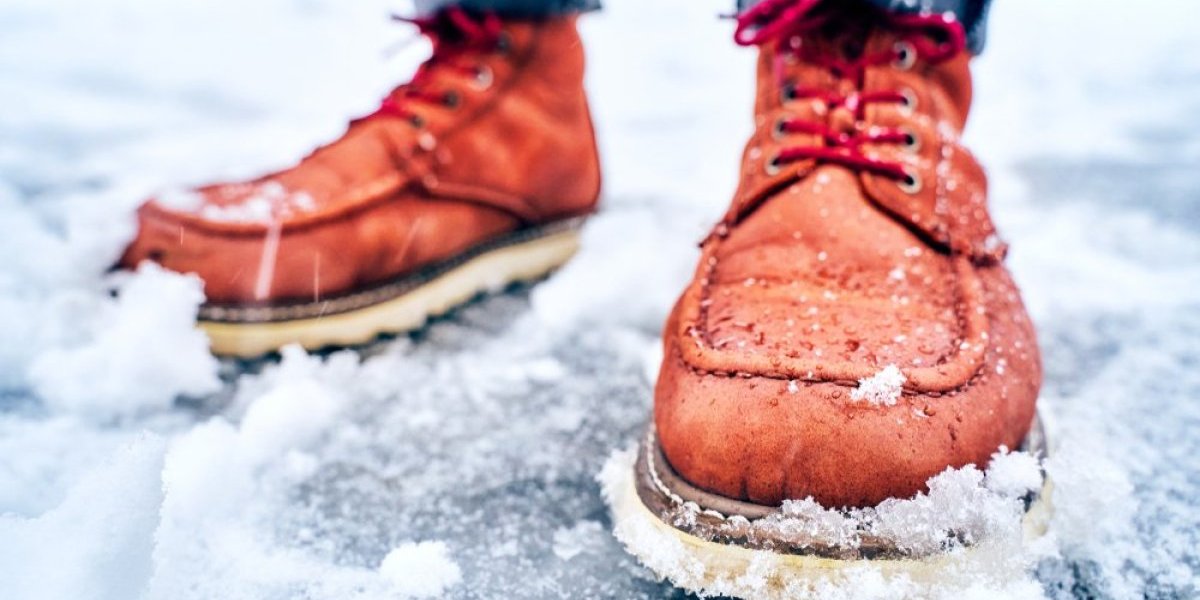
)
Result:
{"points": [[475, 442]]}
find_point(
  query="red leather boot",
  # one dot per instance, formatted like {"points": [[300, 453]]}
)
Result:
{"points": [[851, 330], [473, 175]]}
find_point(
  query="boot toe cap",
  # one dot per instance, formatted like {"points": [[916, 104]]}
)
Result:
{"points": [[766, 440]]}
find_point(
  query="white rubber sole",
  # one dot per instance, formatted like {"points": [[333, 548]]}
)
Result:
{"points": [[710, 568], [489, 271]]}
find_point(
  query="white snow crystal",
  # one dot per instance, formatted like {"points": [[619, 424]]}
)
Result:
{"points": [[883, 387], [1094, 511], [181, 200], [269, 201], [543, 370], [420, 570], [255, 209], [97, 543], [291, 415], [221, 481], [1013, 473], [144, 352], [570, 542]]}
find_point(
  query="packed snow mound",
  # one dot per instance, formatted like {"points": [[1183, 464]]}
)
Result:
{"points": [[99, 541], [142, 352]]}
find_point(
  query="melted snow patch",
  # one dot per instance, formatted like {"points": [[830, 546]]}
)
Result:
{"points": [[420, 570], [882, 388]]}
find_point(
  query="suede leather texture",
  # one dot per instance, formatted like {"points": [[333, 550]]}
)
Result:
{"points": [[391, 196], [820, 276]]}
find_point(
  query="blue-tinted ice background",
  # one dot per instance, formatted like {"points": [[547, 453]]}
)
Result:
{"points": [[461, 461]]}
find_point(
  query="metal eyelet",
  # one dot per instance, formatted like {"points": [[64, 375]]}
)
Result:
{"points": [[911, 184], [779, 130], [484, 77], [910, 102], [787, 93], [773, 166], [452, 99], [503, 43], [906, 55], [912, 142]]}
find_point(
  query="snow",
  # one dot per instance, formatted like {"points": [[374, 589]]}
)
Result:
{"points": [[1013, 473], [293, 414], [181, 200], [115, 506], [264, 203], [133, 465], [144, 335], [421, 570], [577, 539], [882, 388]]}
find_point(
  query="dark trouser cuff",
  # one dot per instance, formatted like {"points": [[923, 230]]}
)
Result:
{"points": [[511, 8], [971, 13]]}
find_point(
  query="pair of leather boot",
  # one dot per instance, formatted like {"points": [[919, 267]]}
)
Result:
{"points": [[849, 333]]}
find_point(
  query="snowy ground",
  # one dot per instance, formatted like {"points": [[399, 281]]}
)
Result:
{"points": [[462, 461]]}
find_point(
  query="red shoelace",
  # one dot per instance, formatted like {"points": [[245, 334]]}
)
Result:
{"points": [[455, 35], [785, 22]]}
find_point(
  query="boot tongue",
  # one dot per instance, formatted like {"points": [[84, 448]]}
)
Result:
{"points": [[945, 201]]}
